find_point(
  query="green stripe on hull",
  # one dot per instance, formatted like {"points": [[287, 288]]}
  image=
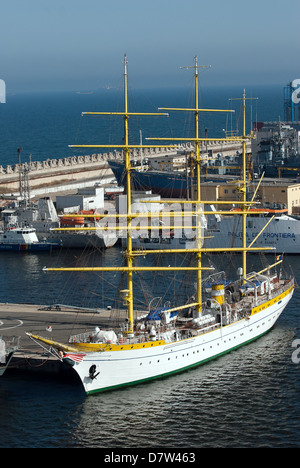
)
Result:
{"points": [[178, 371]]}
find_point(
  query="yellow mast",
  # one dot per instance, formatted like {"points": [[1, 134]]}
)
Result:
{"points": [[198, 172], [129, 269], [129, 298], [243, 189], [128, 294], [244, 253], [197, 140]]}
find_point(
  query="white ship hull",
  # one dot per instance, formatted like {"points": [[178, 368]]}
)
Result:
{"points": [[282, 233], [122, 368]]}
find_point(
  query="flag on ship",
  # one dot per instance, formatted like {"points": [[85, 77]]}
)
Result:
{"points": [[74, 357]]}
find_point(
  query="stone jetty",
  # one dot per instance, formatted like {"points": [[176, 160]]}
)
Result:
{"points": [[42, 175]]}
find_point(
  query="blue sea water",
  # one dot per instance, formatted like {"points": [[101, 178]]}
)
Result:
{"points": [[248, 398], [43, 125]]}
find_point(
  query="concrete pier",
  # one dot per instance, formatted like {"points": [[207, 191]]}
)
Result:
{"points": [[17, 319], [47, 176]]}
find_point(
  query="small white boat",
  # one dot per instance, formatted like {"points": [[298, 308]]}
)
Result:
{"points": [[43, 217], [8, 346], [23, 239]]}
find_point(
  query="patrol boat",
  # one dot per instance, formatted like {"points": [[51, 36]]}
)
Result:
{"points": [[20, 238], [221, 315]]}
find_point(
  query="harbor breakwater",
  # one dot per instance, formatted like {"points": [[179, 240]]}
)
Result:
{"points": [[89, 169]]}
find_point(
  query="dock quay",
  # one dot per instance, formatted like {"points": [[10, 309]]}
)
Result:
{"points": [[17, 319]]}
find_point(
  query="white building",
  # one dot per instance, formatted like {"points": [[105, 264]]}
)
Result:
{"points": [[85, 199]]}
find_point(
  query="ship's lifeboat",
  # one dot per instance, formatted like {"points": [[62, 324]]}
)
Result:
{"points": [[89, 212], [69, 221], [79, 219]]}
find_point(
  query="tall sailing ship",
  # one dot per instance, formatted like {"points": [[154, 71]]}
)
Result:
{"points": [[221, 315]]}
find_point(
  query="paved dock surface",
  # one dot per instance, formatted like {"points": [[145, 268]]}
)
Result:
{"points": [[17, 319]]}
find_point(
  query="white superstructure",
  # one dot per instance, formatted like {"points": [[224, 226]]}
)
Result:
{"points": [[282, 232]]}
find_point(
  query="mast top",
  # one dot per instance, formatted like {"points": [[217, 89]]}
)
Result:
{"points": [[196, 66], [125, 64]]}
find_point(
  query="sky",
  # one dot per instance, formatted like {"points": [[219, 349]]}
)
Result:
{"points": [[58, 45]]}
